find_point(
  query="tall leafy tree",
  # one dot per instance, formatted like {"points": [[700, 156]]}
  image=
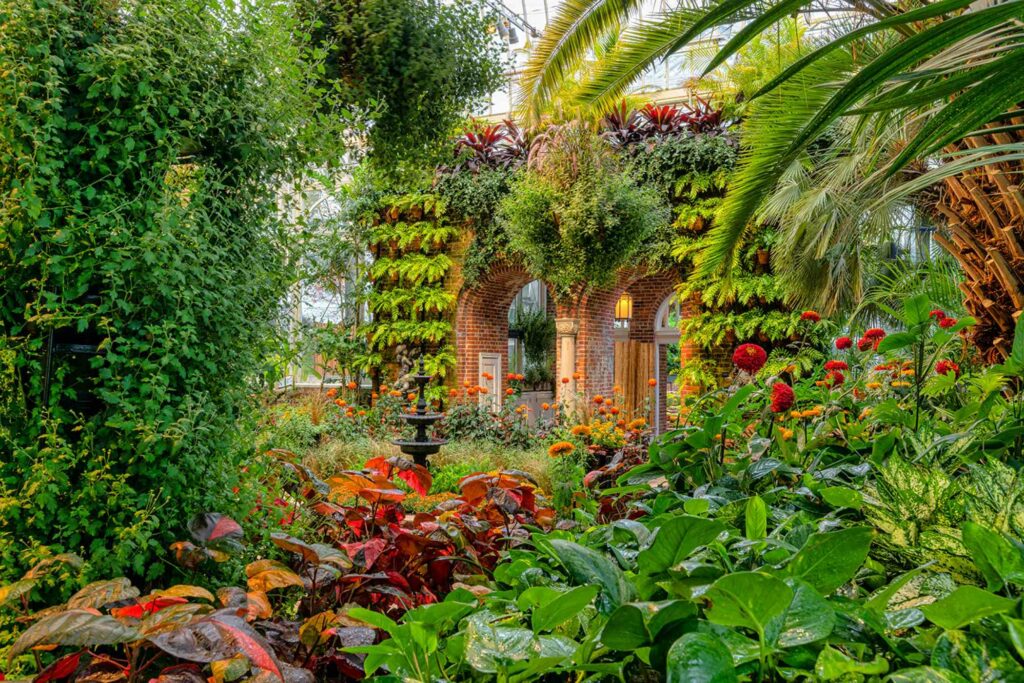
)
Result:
{"points": [[945, 76]]}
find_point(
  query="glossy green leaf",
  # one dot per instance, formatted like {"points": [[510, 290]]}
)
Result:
{"points": [[75, 627], [998, 559], [700, 658], [842, 497], [747, 599], [833, 664], [676, 540], [589, 567], [828, 560], [626, 629], [965, 605], [563, 608], [755, 518]]}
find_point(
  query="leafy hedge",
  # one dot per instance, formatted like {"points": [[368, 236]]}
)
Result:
{"points": [[142, 148]]}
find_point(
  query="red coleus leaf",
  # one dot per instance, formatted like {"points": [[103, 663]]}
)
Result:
{"points": [[140, 610], [59, 670]]}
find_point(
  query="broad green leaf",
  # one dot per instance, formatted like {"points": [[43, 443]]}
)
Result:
{"points": [[563, 608], [676, 540], [700, 658], [833, 664], [74, 627], [998, 559], [842, 497], [808, 619], [755, 518], [828, 560], [747, 599], [374, 619], [1015, 628], [916, 310], [626, 629], [897, 341], [489, 649], [965, 605], [589, 567]]}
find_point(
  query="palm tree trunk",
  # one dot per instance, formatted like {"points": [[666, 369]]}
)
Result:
{"points": [[984, 213]]}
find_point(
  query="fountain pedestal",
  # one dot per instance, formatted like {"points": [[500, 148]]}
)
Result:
{"points": [[421, 445]]}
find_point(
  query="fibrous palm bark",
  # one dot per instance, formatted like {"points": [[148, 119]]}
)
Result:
{"points": [[983, 210]]}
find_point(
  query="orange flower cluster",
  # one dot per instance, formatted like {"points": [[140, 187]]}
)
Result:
{"points": [[561, 448]]}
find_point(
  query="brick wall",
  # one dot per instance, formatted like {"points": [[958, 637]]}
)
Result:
{"points": [[481, 318]]}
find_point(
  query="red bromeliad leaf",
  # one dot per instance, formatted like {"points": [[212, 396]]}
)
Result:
{"points": [[61, 669], [140, 610], [75, 627]]}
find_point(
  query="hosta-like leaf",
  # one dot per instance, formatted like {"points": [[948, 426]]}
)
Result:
{"points": [[747, 599], [589, 567], [675, 540]]}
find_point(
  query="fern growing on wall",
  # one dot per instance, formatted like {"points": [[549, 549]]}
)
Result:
{"points": [[408, 237]]}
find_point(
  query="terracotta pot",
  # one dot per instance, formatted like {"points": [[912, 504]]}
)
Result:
{"points": [[416, 213], [763, 256]]}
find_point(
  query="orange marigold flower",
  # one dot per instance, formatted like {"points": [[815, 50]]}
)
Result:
{"points": [[483, 390], [520, 378], [545, 406], [467, 384], [577, 375], [362, 413], [510, 377], [374, 396], [580, 430], [652, 382], [602, 411], [352, 385], [338, 402], [488, 376], [561, 448], [599, 399], [874, 385], [616, 389], [608, 401], [615, 410], [786, 434], [565, 380], [411, 396], [453, 392], [331, 393]]}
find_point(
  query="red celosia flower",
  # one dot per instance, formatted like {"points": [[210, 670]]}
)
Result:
{"points": [[944, 367], [782, 397], [836, 365], [749, 357], [875, 333], [844, 343], [947, 323], [810, 315], [937, 314], [863, 344], [834, 378]]}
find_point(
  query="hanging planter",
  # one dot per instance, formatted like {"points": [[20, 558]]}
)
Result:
{"points": [[763, 256]]}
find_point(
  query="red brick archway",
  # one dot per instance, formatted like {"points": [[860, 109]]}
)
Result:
{"points": [[481, 318]]}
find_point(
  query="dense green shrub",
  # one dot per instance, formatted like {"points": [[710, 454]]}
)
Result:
{"points": [[143, 149], [574, 217], [416, 66]]}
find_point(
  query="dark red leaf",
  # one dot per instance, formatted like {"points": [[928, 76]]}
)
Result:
{"points": [[61, 669]]}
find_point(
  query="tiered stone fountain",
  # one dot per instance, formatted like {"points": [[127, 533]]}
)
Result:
{"points": [[421, 445]]}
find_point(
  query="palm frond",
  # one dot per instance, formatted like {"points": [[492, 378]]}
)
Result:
{"points": [[639, 48], [774, 121], [578, 25]]}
